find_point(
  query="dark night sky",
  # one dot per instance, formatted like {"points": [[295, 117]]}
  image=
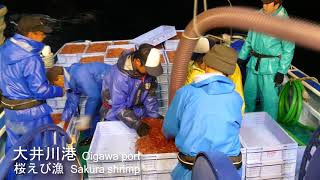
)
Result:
{"points": [[116, 19]]}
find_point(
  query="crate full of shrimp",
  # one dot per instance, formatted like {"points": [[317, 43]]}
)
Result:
{"points": [[149, 156], [70, 52], [115, 51]]}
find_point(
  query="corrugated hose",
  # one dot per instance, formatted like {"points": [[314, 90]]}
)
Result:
{"points": [[298, 31]]}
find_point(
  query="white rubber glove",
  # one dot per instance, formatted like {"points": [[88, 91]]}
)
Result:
{"points": [[83, 123], [47, 57]]}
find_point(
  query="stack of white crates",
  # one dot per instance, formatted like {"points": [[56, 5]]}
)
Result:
{"points": [[114, 58], [66, 60], [170, 47], [158, 166], [57, 105], [98, 52], [112, 140], [270, 152], [156, 36], [170, 58], [115, 143], [163, 84]]}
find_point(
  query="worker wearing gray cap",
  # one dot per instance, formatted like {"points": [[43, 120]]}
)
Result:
{"points": [[206, 114]]}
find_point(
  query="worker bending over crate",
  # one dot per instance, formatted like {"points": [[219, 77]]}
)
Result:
{"points": [[129, 89]]}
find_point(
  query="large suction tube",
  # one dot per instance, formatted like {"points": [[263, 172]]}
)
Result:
{"points": [[303, 33]]}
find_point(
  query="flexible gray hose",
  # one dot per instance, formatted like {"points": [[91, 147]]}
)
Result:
{"points": [[303, 33]]}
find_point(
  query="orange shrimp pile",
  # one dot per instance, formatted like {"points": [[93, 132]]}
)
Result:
{"points": [[155, 142]]}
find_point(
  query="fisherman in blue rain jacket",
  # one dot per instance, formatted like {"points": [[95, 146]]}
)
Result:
{"points": [[129, 88], [23, 82], [86, 80], [206, 114]]}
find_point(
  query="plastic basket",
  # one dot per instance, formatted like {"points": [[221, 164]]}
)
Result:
{"points": [[100, 50], [156, 36], [265, 141], [68, 59], [171, 45], [114, 51]]}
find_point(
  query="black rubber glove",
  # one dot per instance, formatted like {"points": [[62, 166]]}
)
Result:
{"points": [[243, 68], [242, 63], [143, 129], [278, 79], [161, 117]]}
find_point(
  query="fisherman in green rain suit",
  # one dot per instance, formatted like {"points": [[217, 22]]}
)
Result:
{"points": [[270, 60]]}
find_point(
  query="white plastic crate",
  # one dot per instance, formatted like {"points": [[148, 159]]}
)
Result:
{"points": [[122, 42], [57, 110], [244, 160], [114, 169], [163, 102], [156, 36], [162, 94], [107, 136], [58, 102], [98, 42], [163, 87], [301, 150], [73, 132], [116, 178], [68, 59], [124, 46], [82, 110], [157, 176], [162, 57], [271, 170], [160, 176], [146, 165], [105, 142], [83, 101], [160, 47], [110, 61], [178, 36], [165, 68], [80, 56], [163, 78], [113, 132], [158, 163], [64, 64], [265, 141], [278, 178], [169, 70], [171, 45], [170, 54], [163, 110]]}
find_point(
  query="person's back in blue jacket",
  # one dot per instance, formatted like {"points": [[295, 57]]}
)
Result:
{"points": [[206, 115], [23, 81], [84, 80]]}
